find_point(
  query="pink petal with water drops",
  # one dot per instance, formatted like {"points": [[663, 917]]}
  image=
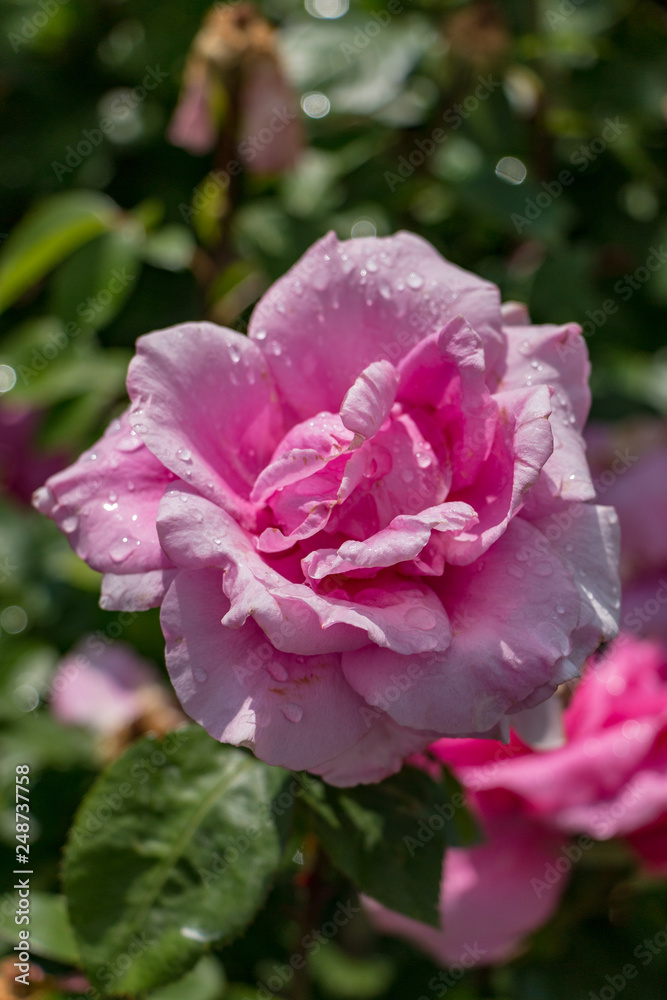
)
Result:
{"points": [[291, 710], [107, 501]]}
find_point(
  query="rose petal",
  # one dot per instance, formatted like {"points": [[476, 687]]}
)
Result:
{"points": [[508, 640], [291, 711], [135, 591], [398, 613], [343, 306], [367, 403], [523, 444], [402, 540], [107, 501], [203, 402]]}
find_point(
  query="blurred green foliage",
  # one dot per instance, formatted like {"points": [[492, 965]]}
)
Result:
{"points": [[99, 244]]}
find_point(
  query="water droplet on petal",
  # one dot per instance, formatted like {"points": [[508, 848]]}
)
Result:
{"points": [[415, 280], [372, 265], [277, 671], [420, 618], [184, 454], [110, 506], [560, 610], [524, 347], [234, 354], [130, 442], [260, 335], [200, 675], [70, 524], [292, 712], [119, 551], [423, 459]]}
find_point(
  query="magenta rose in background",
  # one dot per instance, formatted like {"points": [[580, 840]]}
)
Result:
{"points": [[541, 812], [367, 523], [629, 463]]}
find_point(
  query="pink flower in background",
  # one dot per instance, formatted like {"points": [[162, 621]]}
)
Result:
{"points": [[101, 687], [488, 901], [234, 80], [366, 522], [23, 466], [629, 462], [609, 779]]}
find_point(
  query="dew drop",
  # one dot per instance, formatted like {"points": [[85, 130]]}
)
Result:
{"points": [[200, 675], [260, 335], [184, 454], [423, 459], [524, 347], [560, 610], [234, 354], [420, 618], [292, 712], [130, 442], [275, 349], [277, 671], [115, 426], [372, 265], [70, 524], [110, 506], [119, 551], [130, 486], [415, 280], [400, 285]]}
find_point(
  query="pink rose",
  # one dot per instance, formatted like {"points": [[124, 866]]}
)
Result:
{"points": [[630, 465], [491, 895], [103, 689], [366, 522], [609, 779]]}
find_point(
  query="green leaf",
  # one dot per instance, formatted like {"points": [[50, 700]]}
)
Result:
{"points": [[174, 847], [91, 287], [205, 982], [390, 838], [47, 235], [50, 931]]}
